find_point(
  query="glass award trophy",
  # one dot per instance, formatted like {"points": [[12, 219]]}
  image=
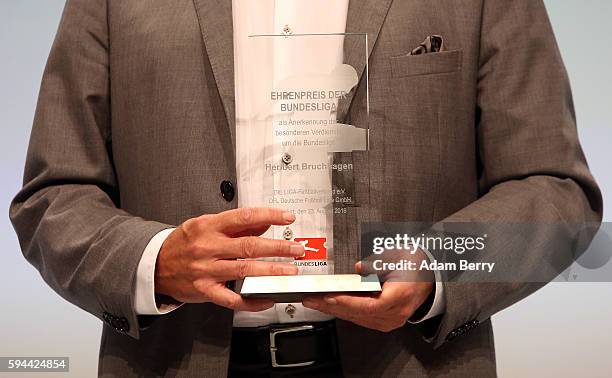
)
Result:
{"points": [[299, 151]]}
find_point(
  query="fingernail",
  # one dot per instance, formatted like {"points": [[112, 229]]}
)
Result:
{"points": [[296, 250], [331, 300], [288, 217]]}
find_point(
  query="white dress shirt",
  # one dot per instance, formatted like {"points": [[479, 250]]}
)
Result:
{"points": [[252, 68]]}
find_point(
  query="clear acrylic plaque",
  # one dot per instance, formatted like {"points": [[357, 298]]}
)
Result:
{"points": [[298, 147]]}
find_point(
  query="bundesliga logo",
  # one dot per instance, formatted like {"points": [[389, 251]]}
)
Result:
{"points": [[314, 248]]}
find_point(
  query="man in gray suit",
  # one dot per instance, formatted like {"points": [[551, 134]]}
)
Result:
{"points": [[134, 136]]}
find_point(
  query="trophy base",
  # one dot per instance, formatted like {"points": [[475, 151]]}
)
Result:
{"points": [[285, 289]]}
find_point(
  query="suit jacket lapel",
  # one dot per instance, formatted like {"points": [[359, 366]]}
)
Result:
{"points": [[216, 25], [364, 16]]}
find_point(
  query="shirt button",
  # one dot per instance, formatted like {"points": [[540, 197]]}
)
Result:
{"points": [[290, 310], [288, 234], [121, 325], [227, 190], [287, 158]]}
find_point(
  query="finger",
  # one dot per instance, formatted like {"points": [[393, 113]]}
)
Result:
{"points": [[320, 304], [239, 220], [313, 301], [393, 295], [224, 297], [253, 232], [367, 267], [252, 247], [365, 305], [228, 270], [382, 322], [358, 267], [317, 302], [395, 302]]}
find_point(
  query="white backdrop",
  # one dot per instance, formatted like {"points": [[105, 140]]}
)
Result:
{"points": [[561, 331]]}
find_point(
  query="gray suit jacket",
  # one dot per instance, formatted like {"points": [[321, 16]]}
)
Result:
{"points": [[134, 131]]}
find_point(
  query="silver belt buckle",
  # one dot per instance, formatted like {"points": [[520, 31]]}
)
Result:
{"points": [[273, 349]]}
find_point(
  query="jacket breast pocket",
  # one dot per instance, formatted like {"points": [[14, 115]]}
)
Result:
{"points": [[426, 64]]}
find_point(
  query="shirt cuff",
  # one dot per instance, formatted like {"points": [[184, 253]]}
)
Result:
{"points": [[438, 306], [144, 299]]}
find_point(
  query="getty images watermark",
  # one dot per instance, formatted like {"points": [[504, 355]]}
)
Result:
{"points": [[412, 244], [490, 252]]}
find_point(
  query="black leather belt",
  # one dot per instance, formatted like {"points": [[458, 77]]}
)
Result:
{"points": [[284, 346]]}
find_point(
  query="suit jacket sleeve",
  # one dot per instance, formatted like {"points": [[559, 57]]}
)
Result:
{"points": [[533, 169], [66, 216]]}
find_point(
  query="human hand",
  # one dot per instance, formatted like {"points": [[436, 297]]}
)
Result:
{"points": [[387, 311], [199, 257]]}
